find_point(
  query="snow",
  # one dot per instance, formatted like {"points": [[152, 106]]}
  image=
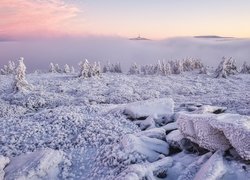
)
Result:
{"points": [[41, 164], [151, 148], [142, 109], [80, 125], [3, 162]]}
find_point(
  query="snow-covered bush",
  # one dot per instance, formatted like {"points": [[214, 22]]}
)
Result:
{"points": [[245, 69], [114, 68], [20, 81], [226, 67], [177, 67], [134, 69], [8, 69], [89, 70], [203, 70]]}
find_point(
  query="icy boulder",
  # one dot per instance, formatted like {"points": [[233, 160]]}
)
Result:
{"points": [[143, 109], [217, 132], [148, 170], [3, 163], [214, 168], [151, 148], [236, 128], [41, 164], [197, 128]]}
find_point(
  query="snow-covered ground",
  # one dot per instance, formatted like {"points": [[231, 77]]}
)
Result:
{"points": [[121, 126]]}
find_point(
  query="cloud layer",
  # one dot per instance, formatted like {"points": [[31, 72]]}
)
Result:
{"points": [[31, 18]]}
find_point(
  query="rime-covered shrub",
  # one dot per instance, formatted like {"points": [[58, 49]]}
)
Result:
{"points": [[20, 80], [8, 69], [203, 70], [134, 69], [226, 67], [245, 69], [113, 68], [177, 67], [89, 70]]}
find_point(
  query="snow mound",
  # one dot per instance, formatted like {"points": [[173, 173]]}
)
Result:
{"points": [[142, 109], [41, 164], [147, 170], [152, 148], [217, 132], [4, 161]]}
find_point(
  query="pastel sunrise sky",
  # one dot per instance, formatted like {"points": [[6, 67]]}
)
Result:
{"points": [[156, 19]]}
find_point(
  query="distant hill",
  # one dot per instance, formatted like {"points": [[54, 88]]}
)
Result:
{"points": [[139, 38], [211, 36]]}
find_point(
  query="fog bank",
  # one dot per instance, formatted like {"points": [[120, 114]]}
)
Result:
{"points": [[39, 53]]}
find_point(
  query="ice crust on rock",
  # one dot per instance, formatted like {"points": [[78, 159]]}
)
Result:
{"points": [[217, 132], [236, 128], [151, 148], [147, 170], [142, 109], [4, 161], [41, 164]]}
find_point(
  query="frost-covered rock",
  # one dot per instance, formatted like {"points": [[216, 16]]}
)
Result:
{"points": [[4, 161], [214, 168], [142, 109], [147, 170], [236, 128], [152, 148], [192, 169], [197, 128], [174, 138], [41, 164], [217, 132], [158, 133]]}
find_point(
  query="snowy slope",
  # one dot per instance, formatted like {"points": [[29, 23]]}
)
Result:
{"points": [[84, 125]]}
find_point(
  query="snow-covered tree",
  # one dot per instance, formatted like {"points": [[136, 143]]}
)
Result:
{"points": [[134, 69], [57, 68], [84, 69], [177, 67], [66, 69], [52, 68], [114, 68], [245, 69], [226, 67], [166, 69], [20, 81], [72, 69], [89, 70]]}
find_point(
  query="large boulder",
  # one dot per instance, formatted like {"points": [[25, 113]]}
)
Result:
{"points": [[143, 109], [217, 132]]}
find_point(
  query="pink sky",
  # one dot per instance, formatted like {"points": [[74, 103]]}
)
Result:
{"points": [[152, 19], [28, 18]]}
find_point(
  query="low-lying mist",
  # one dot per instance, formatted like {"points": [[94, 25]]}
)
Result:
{"points": [[39, 53]]}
